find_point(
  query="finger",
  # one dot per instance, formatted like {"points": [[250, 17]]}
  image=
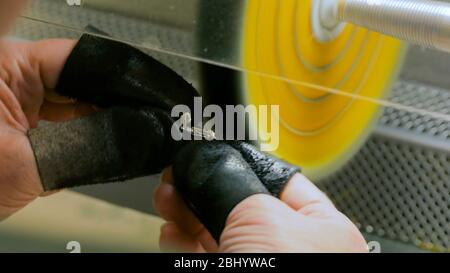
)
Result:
{"points": [[45, 62], [59, 112], [174, 239], [168, 203], [301, 193], [34, 67], [52, 96], [51, 56], [50, 193], [166, 176], [20, 184], [207, 241], [84, 109]]}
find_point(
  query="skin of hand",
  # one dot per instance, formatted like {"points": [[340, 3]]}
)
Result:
{"points": [[28, 73], [304, 220]]}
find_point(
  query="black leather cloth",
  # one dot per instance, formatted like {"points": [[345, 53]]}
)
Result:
{"points": [[131, 136]]}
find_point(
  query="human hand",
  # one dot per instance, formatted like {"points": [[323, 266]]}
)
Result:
{"points": [[125, 139], [28, 73], [304, 220]]}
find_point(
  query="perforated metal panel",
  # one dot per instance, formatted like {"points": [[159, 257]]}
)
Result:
{"points": [[423, 97], [397, 186]]}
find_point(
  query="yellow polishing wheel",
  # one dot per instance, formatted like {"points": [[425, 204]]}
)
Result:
{"points": [[318, 76]]}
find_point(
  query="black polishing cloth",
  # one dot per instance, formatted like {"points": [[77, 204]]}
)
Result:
{"points": [[131, 137], [119, 143], [108, 73], [116, 144], [213, 178], [273, 172]]}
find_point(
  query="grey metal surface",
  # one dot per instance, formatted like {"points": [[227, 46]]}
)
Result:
{"points": [[392, 246], [69, 22], [176, 13], [397, 187], [421, 22], [135, 194], [427, 66]]}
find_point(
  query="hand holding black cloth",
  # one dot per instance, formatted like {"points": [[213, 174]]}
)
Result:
{"points": [[131, 136]]}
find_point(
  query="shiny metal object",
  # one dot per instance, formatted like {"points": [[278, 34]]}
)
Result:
{"points": [[195, 131], [425, 23]]}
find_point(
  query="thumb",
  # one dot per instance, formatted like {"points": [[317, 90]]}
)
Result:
{"points": [[299, 195], [20, 183], [305, 197], [258, 210], [261, 223]]}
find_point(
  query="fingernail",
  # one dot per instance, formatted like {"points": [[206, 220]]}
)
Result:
{"points": [[300, 177], [166, 176]]}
